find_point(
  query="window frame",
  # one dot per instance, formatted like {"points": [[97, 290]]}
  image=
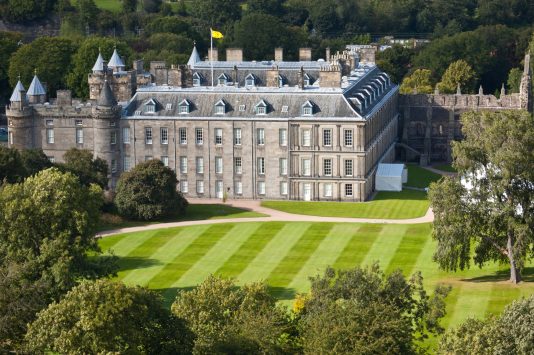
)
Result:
{"points": [[261, 188], [126, 135], [282, 162], [327, 137], [328, 192], [306, 167], [238, 167], [164, 135], [149, 138], [346, 164], [183, 165], [238, 138], [282, 137], [308, 136], [218, 165], [79, 135], [182, 135], [328, 168], [347, 188], [261, 165], [50, 138], [199, 165], [218, 137], [260, 136], [199, 136], [350, 137]]}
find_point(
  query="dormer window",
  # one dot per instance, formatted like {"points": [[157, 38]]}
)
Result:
{"points": [[184, 107], [223, 79], [307, 109], [197, 79], [261, 108], [168, 107], [250, 80], [307, 80], [285, 109], [150, 106], [220, 107]]}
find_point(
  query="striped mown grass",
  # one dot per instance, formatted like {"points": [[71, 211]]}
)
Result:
{"points": [[285, 255]]}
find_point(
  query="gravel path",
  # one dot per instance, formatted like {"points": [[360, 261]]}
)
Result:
{"points": [[274, 215]]}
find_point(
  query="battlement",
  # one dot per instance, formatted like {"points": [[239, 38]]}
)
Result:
{"points": [[473, 102]]}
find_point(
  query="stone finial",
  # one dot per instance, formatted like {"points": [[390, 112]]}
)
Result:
{"points": [[480, 90], [526, 68], [458, 89], [503, 90]]}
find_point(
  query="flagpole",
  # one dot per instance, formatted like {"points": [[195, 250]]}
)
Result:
{"points": [[211, 57]]}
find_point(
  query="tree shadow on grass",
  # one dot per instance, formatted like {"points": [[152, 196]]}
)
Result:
{"points": [[282, 293], [126, 263], [527, 275]]}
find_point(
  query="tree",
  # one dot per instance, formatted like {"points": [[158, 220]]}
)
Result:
{"points": [[395, 61], [458, 73], [20, 11], [11, 166], [216, 12], [509, 333], [129, 6], [490, 209], [271, 7], [8, 45], [50, 56], [365, 311], [89, 171], [108, 317], [227, 319], [34, 160], [152, 6], [85, 57], [418, 82], [87, 14], [514, 80], [149, 192]]}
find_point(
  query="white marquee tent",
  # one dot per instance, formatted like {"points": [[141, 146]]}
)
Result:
{"points": [[390, 177]]}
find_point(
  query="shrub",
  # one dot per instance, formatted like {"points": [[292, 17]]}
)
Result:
{"points": [[149, 192]]}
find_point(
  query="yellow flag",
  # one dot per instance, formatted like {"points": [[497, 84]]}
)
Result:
{"points": [[216, 34]]}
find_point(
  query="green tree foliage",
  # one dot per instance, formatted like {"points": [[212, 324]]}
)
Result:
{"points": [[129, 6], [271, 7], [419, 81], [152, 6], [365, 311], [514, 80], [489, 215], [395, 61], [491, 51], [108, 317], [11, 166], [458, 73], [231, 320], [258, 34], [21, 11], [34, 160], [87, 14], [509, 333], [506, 12], [85, 57], [89, 171], [149, 192], [216, 12], [169, 24], [8, 45], [50, 56]]}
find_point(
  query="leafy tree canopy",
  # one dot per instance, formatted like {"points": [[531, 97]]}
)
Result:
{"points": [[514, 80], [227, 319], [509, 333], [21, 11], [395, 61], [148, 192], [89, 171], [16, 165], [216, 12], [8, 45], [50, 56], [418, 82], [108, 317], [459, 73], [365, 311], [489, 213]]}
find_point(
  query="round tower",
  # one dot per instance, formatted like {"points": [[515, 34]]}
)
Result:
{"points": [[19, 120], [106, 115]]}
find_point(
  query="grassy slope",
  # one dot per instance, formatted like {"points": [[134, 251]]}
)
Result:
{"points": [[420, 177], [194, 213], [286, 254], [391, 205], [110, 5], [445, 167]]}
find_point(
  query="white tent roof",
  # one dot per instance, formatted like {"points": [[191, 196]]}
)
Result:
{"points": [[390, 170]]}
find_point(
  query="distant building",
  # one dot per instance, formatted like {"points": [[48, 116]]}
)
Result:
{"points": [[306, 130]]}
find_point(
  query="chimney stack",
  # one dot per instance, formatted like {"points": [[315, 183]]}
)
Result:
{"points": [[234, 55], [138, 66], [327, 59], [213, 54], [305, 54], [279, 54]]}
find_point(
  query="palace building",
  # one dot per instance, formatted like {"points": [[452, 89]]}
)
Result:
{"points": [[305, 130]]}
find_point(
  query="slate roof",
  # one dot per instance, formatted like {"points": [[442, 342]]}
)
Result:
{"points": [[106, 98], [194, 58], [116, 60], [36, 88], [99, 64], [16, 97]]}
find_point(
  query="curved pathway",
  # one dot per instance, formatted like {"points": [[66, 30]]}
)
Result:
{"points": [[273, 216]]}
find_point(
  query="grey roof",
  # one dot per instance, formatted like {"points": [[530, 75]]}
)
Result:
{"points": [[36, 88], [194, 58], [116, 60], [99, 64], [106, 96], [16, 97]]}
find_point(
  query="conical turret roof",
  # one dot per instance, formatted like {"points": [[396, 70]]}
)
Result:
{"points": [[116, 61], [99, 64], [16, 97], [36, 88], [106, 98], [194, 58]]}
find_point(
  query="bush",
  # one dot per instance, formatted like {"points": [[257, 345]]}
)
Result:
{"points": [[149, 192]]}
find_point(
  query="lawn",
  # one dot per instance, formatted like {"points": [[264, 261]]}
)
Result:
{"points": [[286, 254], [110, 5], [194, 212], [420, 177], [390, 205], [445, 167]]}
